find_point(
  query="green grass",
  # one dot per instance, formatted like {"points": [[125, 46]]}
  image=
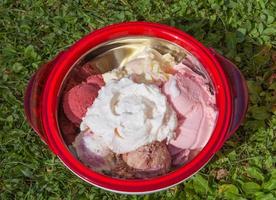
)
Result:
{"points": [[32, 32]]}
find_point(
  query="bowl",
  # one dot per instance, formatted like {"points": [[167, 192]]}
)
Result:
{"points": [[110, 47]]}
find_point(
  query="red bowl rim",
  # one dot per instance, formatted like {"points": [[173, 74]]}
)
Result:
{"points": [[63, 64]]}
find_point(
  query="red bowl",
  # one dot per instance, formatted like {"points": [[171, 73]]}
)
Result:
{"points": [[42, 99]]}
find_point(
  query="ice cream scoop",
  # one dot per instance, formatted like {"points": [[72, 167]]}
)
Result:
{"points": [[153, 158], [179, 156], [68, 129], [80, 74], [78, 99], [96, 79], [127, 115], [93, 152], [146, 66], [189, 94], [86, 70]]}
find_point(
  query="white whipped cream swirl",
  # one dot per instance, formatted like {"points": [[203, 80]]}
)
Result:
{"points": [[127, 115]]}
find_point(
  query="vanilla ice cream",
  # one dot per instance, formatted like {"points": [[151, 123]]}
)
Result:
{"points": [[147, 66], [127, 115]]}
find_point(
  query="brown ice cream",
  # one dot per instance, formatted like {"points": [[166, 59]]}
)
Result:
{"points": [[152, 159]]}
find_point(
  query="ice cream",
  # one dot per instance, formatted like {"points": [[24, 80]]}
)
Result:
{"points": [[189, 93], [147, 66], [144, 118], [152, 158], [93, 152], [127, 115], [179, 156], [80, 74], [78, 99], [96, 79], [86, 70], [69, 130]]}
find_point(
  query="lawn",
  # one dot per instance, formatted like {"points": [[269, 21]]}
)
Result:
{"points": [[32, 32]]}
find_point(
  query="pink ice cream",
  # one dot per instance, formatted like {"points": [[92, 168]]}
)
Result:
{"points": [[80, 74], [96, 79], [190, 95], [83, 72], [78, 99]]}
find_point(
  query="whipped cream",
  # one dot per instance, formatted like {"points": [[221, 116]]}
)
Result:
{"points": [[148, 66], [127, 115]]}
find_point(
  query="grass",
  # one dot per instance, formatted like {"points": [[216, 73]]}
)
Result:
{"points": [[32, 32]]}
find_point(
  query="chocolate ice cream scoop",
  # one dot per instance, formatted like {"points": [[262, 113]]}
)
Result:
{"points": [[149, 160]]}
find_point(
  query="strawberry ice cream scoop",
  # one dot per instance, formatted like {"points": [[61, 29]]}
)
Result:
{"points": [[78, 99], [153, 158], [96, 79], [81, 73], [189, 93], [86, 70]]}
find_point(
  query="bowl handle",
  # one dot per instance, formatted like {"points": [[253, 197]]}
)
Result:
{"points": [[33, 97], [238, 89]]}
